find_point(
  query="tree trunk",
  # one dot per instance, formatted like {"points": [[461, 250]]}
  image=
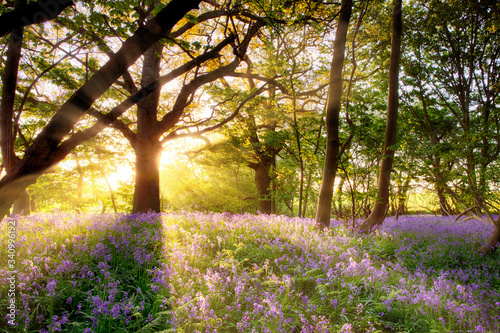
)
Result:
{"points": [[443, 205], [148, 148], [324, 211], [439, 185], [110, 189], [147, 177], [494, 240], [263, 183], [274, 207], [306, 196], [38, 156], [402, 197], [299, 148], [9, 84], [81, 175], [379, 211], [102, 169]]}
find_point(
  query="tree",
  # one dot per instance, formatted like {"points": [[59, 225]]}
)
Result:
{"points": [[49, 148], [9, 83], [431, 132], [379, 211], [363, 103], [452, 74], [254, 135], [143, 129], [323, 213], [152, 133], [260, 133]]}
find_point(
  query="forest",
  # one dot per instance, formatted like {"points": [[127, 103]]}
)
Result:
{"points": [[250, 166]]}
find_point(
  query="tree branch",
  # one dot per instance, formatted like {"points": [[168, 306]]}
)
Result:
{"points": [[175, 135], [281, 87], [170, 119], [39, 156], [33, 13], [116, 124], [105, 120]]}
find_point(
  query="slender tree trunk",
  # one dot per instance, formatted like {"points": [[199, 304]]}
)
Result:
{"points": [[379, 211], [102, 170], [439, 185], [272, 175], [402, 197], [39, 156], [148, 148], [301, 172], [299, 148], [274, 206], [306, 196], [9, 83], [324, 210], [110, 189]]}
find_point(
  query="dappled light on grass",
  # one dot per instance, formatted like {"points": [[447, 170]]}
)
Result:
{"points": [[195, 272]]}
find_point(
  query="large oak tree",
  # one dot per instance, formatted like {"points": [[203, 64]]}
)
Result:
{"points": [[49, 148]]}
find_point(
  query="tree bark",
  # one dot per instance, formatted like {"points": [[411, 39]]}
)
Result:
{"points": [[147, 176], [306, 195], [379, 211], [443, 204], [36, 12], [9, 84], [263, 184], [38, 156], [324, 210], [494, 240], [148, 148]]}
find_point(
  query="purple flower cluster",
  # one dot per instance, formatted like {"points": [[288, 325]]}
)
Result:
{"points": [[69, 263], [272, 273], [252, 273]]}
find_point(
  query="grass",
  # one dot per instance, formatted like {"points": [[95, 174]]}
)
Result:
{"points": [[248, 273]]}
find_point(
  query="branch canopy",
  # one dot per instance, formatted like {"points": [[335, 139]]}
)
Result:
{"points": [[38, 155]]}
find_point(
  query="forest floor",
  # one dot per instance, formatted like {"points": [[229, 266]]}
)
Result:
{"points": [[198, 272]]}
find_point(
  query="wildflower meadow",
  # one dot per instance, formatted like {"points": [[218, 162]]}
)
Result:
{"points": [[203, 272]]}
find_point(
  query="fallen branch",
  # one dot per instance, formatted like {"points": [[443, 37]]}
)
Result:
{"points": [[465, 212]]}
